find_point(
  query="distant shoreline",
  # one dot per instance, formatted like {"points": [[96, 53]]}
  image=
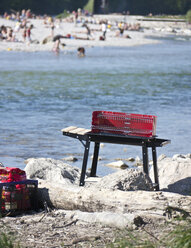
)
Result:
{"points": [[155, 28]]}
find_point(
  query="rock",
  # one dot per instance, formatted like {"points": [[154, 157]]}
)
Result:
{"points": [[138, 161], [175, 174], [131, 159], [138, 221], [105, 218], [54, 171], [47, 39], [161, 157], [35, 42], [99, 158], [187, 31], [188, 155], [178, 156], [70, 159], [129, 179], [118, 164]]}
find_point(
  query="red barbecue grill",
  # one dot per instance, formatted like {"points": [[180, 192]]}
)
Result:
{"points": [[118, 128]]}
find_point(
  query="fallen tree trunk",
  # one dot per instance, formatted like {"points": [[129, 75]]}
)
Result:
{"points": [[93, 200]]}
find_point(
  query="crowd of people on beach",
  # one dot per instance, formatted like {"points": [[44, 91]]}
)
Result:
{"points": [[23, 26]]}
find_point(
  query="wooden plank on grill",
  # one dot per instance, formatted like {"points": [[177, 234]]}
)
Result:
{"points": [[77, 130], [84, 131], [68, 129]]}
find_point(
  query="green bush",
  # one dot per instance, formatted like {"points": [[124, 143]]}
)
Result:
{"points": [[63, 15], [188, 16]]}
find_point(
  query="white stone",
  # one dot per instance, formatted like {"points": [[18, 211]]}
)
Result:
{"points": [[131, 159], [178, 156], [99, 158], [70, 159], [118, 220], [118, 164], [161, 157]]}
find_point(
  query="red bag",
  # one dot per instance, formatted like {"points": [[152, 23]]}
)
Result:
{"points": [[10, 174]]}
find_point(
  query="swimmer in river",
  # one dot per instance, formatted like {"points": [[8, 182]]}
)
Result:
{"points": [[81, 51]]}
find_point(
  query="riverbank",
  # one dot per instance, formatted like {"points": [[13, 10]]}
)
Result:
{"points": [[58, 228], [137, 33], [101, 213]]}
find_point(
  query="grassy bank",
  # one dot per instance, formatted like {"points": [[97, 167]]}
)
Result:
{"points": [[178, 237]]}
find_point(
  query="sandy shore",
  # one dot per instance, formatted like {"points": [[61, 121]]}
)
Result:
{"points": [[141, 37]]}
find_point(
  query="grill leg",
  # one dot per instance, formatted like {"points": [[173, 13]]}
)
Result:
{"points": [[155, 169], [145, 159], [95, 159], [85, 160]]}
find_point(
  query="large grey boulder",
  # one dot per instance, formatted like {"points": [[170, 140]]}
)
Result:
{"points": [[175, 173], [126, 180], [53, 171]]}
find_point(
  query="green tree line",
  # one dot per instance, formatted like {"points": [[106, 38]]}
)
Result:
{"points": [[145, 7], [142, 7], [41, 7]]}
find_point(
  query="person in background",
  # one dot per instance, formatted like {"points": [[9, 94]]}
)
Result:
{"points": [[3, 32], [75, 17], [88, 30], [10, 36], [52, 26], [81, 51], [104, 29], [28, 33], [24, 34], [56, 40]]}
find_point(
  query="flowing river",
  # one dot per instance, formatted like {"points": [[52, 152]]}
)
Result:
{"points": [[41, 93]]}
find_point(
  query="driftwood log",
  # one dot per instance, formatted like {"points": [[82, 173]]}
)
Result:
{"points": [[123, 194], [93, 200]]}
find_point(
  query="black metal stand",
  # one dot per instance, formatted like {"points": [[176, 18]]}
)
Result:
{"points": [[85, 160], [144, 142]]}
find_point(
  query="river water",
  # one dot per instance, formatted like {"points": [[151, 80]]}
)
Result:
{"points": [[41, 93]]}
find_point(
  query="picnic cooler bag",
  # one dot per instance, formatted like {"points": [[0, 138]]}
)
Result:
{"points": [[17, 196]]}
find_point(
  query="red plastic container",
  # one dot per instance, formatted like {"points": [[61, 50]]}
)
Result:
{"points": [[124, 123]]}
